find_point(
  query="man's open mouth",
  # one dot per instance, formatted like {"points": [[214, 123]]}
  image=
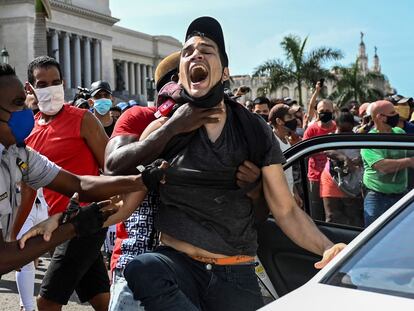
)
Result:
{"points": [[198, 74]]}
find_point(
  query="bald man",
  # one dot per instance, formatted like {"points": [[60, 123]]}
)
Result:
{"points": [[385, 170]]}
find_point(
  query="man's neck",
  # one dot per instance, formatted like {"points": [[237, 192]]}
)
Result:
{"points": [[105, 119], [281, 134], [214, 129], [45, 119], [383, 128]]}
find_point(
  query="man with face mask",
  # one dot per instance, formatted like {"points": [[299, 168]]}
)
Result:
{"points": [[262, 107], [282, 119], [206, 222], [403, 108], [385, 170], [75, 140], [324, 125], [101, 101], [19, 163]]}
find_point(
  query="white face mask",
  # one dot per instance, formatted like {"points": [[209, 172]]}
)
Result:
{"points": [[50, 99]]}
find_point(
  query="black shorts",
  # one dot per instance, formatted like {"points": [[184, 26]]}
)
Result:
{"points": [[76, 265]]}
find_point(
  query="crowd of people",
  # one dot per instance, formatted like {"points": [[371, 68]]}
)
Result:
{"points": [[188, 182], [348, 186]]}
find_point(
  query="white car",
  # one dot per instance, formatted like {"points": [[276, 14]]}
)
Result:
{"points": [[374, 272]]}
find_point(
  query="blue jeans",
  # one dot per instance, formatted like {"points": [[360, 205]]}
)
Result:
{"points": [[121, 296], [170, 280], [375, 204]]}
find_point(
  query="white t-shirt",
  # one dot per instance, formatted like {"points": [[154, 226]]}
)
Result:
{"points": [[288, 172]]}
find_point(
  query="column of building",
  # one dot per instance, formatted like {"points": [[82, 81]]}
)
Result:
{"points": [[80, 57]]}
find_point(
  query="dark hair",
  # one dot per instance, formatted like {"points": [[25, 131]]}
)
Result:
{"points": [[6, 70], [42, 62], [115, 108], [261, 100], [223, 60], [345, 117]]}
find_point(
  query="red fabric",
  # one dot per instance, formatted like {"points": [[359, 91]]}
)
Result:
{"points": [[61, 142], [316, 163], [132, 122], [328, 188]]}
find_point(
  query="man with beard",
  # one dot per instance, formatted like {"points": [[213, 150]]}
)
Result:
{"points": [[206, 222]]}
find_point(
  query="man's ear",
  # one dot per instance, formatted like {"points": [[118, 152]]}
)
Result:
{"points": [[29, 88], [30, 91], [90, 102], [226, 74], [279, 121]]}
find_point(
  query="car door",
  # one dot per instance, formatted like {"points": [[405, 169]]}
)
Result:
{"points": [[287, 265]]}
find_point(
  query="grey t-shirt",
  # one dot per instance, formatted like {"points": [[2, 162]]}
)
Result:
{"points": [[20, 164], [191, 210]]}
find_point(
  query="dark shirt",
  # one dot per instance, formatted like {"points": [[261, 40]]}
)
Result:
{"points": [[110, 128], [408, 127], [190, 210]]}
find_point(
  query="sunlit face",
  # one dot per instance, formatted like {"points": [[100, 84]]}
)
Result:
{"points": [[200, 66], [324, 106], [44, 77], [12, 99]]}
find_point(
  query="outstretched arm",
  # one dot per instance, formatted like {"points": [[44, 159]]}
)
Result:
{"points": [[95, 188], [311, 113], [12, 257], [293, 221]]}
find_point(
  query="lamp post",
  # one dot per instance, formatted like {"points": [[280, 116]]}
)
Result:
{"points": [[4, 56], [150, 84]]}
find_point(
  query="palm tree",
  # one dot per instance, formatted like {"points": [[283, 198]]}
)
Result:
{"points": [[352, 84], [299, 68], [42, 11]]}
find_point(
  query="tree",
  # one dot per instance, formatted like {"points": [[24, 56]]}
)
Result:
{"points": [[42, 11], [352, 84], [299, 68]]}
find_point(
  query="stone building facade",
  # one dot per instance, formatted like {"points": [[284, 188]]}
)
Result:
{"points": [[83, 37]]}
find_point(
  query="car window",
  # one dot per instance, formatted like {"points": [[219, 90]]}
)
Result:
{"points": [[386, 263], [354, 186]]}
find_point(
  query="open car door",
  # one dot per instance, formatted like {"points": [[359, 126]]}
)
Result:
{"points": [[283, 263]]}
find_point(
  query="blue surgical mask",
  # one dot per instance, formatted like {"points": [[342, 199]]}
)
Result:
{"points": [[102, 105], [21, 124]]}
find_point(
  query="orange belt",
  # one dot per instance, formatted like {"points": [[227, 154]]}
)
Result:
{"points": [[232, 260]]}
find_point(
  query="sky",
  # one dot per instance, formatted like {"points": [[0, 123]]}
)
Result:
{"points": [[253, 29]]}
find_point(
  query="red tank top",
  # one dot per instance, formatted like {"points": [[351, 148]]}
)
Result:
{"points": [[61, 142]]}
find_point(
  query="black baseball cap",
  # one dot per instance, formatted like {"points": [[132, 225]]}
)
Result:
{"points": [[210, 28], [99, 86]]}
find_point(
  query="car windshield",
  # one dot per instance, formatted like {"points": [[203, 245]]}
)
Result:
{"points": [[386, 263]]}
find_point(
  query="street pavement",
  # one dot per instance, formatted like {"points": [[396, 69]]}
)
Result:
{"points": [[9, 297]]}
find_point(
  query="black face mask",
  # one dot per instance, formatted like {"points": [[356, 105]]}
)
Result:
{"points": [[264, 116], [291, 124], [325, 117], [393, 120], [210, 100]]}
